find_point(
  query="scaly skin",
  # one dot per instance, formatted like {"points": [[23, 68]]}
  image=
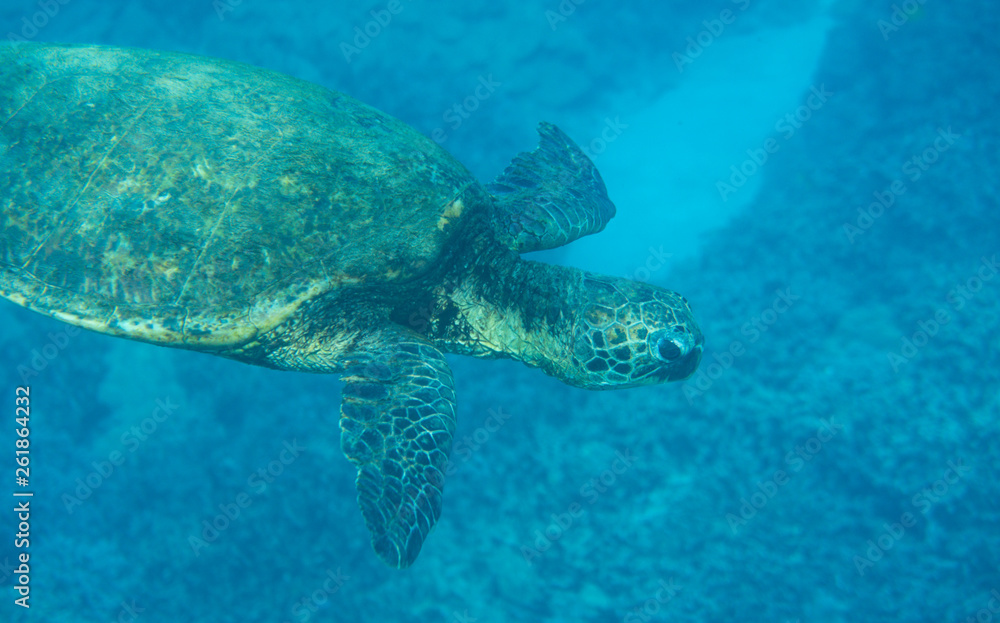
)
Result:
{"points": [[590, 331], [587, 330]]}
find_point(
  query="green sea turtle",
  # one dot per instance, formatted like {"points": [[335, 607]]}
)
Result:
{"points": [[215, 206]]}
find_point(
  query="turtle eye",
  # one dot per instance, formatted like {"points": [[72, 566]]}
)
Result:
{"points": [[668, 350], [672, 345]]}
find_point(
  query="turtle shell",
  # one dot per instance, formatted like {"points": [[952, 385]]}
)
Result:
{"points": [[198, 202]]}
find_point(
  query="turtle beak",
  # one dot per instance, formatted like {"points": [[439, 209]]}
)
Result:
{"points": [[686, 365]]}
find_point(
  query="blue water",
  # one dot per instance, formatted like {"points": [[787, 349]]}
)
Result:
{"points": [[834, 223]]}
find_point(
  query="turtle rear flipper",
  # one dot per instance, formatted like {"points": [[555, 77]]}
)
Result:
{"points": [[550, 196], [397, 422]]}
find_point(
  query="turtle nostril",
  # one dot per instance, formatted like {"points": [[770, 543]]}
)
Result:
{"points": [[668, 349]]}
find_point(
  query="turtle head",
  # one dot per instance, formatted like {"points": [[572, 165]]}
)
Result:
{"points": [[629, 334]]}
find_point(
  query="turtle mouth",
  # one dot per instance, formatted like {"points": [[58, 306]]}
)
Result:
{"points": [[686, 365]]}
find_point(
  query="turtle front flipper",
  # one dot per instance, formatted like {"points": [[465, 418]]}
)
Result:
{"points": [[550, 196], [397, 419]]}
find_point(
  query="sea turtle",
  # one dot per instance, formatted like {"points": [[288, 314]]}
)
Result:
{"points": [[215, 206]]}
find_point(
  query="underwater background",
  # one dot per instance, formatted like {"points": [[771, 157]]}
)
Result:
{"points": [[820, 179]]}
